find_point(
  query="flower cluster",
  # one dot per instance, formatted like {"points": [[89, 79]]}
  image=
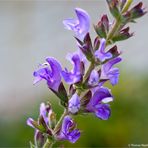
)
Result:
{"points": [[86, 93]]}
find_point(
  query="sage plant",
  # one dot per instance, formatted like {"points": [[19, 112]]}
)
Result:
{"points": [[86, 93]]}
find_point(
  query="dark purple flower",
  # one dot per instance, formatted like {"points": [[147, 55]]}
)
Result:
{"points": [[98, 103], [76, 73], [74, 104], [68, 131], [81, 25], [52, 76], [100, 53], [108, 72]]}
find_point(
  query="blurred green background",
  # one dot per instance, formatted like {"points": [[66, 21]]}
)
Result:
{"points": [[32, 30]]}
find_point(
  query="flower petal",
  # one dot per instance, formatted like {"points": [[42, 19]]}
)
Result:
{"points": [[111, 63], [84, 21], [81, 25], [29, 122], [74, 104], [56, 69], [103, 111], [76, 73], [67, 130], [43, 112], [74, 136], [94, 78], [70, 23], [71, 78], [100, 53]]}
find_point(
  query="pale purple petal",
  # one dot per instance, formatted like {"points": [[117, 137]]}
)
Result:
{"points": [[29, 122], [108, 72], [71, 78], [76, 73], [74, 104], [70, 23], [113, 75], [51, 74], [111, 63], [81, 25], [100, 53], [94, 78], [55, 78], [84, 21], [40, 74]]}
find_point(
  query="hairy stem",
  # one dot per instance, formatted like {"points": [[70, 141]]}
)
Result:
{"points": [[60, 121]]}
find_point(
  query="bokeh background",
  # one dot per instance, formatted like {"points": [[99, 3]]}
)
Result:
{"points": [[33, 30]]}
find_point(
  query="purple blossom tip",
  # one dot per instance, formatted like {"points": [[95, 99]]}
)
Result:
{"points": [[76, 73], [94, 78], [98, 104], [68, 131], [51, 74], [29, 122], [110, 73], [81, 25], [74, 104], [100, 53]]}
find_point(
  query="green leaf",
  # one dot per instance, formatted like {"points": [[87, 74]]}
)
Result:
{"points": [[100, 30]]}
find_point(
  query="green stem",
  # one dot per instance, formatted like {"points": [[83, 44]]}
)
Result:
{"points": [[60, 121], [49, 144], [113, 30], [126, 6]]}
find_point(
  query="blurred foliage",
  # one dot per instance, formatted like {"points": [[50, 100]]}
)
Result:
{"points": [[128, 123]]}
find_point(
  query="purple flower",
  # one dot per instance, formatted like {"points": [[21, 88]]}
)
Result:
{"points": [[74, 104], [81, 25], [110, 73], [68, 131], [98, 104], [94, 78], [100, 53], [52, 76], [30, 122], [76, 73]]}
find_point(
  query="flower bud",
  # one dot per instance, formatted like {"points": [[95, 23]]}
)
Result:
{"points": [[122, 35], [114, 8], [52, 119], [39, 139]]}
